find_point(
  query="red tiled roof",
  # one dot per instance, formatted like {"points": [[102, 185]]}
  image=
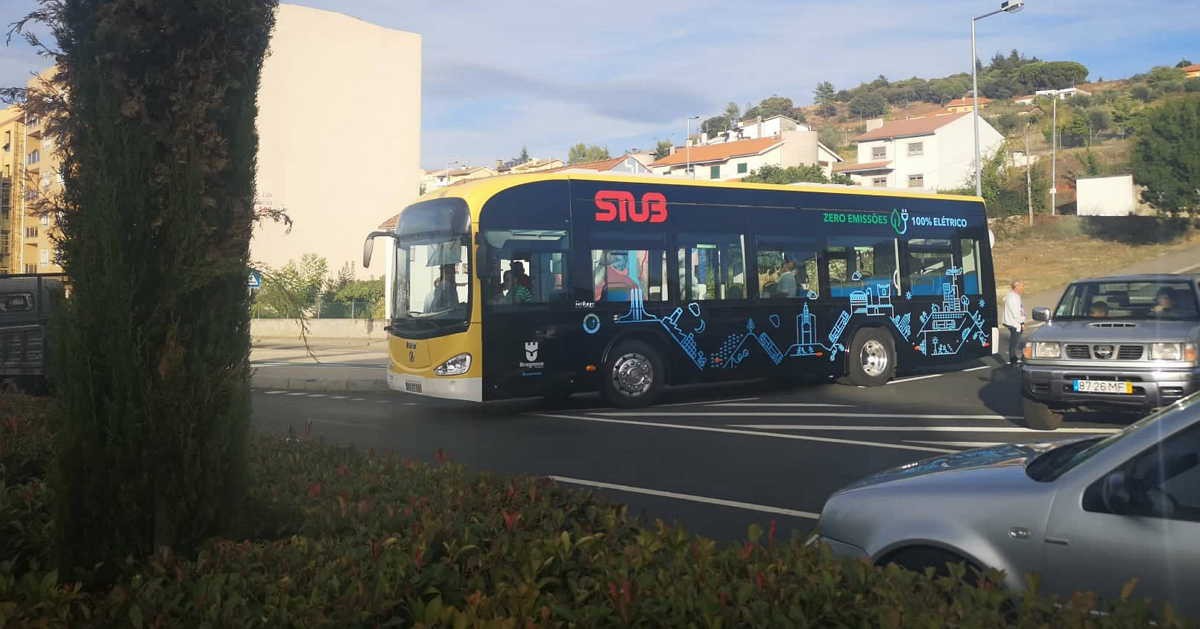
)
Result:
{"points": [[1195, 67], [718, 152], [968, 102], [863, 167], [389, 224], [603, 165], [909, 128]]}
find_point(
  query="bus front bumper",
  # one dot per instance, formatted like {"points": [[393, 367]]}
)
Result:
{"points": [[466, 389]]}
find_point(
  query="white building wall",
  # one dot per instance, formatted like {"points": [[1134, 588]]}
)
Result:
{"points": [[339, 134], [956, 151], [1106, 196]]}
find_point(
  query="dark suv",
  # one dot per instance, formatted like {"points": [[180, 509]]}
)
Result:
{"points": [[1112, 342], [26, 302]]}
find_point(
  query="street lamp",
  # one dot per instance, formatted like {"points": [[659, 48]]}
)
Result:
{"points": [[688, 144], [1008, 6], [1054, 96]]}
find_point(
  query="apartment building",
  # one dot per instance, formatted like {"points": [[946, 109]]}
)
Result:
{"points": [[930, 153], [28, 172], [736, 159]]}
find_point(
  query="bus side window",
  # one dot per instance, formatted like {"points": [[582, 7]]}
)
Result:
{"points": [[712, 267], [528, 266], [856, 262], [969, 249], [616, 273], [929, 262], [787, 268]]}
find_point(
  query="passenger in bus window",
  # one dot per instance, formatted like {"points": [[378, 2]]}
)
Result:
{"points": [[521, 291], [786, 285]]}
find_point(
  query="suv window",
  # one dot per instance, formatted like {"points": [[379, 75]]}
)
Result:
{"points": [[1169, 300]]}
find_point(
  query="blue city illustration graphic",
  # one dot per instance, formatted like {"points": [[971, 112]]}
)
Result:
{"points": [[945, 329]]}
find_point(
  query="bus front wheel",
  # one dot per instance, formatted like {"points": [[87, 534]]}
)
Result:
{"points": [[633, 375], [871, 361]]}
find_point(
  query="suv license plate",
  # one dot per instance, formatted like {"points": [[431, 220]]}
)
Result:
{"points": [[1103, 386], [412, 387]]}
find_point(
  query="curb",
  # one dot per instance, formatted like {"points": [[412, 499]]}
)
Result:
{"points": [[323, 385]]}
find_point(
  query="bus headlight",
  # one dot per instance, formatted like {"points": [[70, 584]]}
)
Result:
{"points": [[456, 366]]}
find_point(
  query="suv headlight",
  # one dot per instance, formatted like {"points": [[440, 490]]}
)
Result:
{"points": [[456, 366], [1042, 349], [1173, 351]]}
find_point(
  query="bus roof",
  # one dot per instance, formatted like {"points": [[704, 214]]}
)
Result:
{"points": [[476, 192]]}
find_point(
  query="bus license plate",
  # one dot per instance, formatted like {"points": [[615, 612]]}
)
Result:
{"points": [[412, 387], [1103, 386]]}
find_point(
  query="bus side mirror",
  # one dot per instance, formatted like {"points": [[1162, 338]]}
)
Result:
{"points": [[369, 246], [1041, 314]]}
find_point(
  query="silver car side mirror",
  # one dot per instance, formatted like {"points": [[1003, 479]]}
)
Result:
{"points": [[1041, 314]]}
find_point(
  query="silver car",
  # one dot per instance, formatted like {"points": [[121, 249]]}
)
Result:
{"points": [[1086, 515]]}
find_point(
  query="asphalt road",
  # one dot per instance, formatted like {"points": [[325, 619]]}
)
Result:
{"points": [[714, 459]]}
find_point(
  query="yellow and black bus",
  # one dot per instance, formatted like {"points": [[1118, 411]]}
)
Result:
{"points": [[546, 285]]}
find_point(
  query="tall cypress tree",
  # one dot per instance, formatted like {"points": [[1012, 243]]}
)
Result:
{"points": [[153, 106]]}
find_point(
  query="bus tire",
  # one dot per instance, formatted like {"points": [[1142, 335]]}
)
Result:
{"points": [[871, 361], [633, 375]]}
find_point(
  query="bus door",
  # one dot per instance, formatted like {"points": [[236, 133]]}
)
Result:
{"points": [[713, 284], [526, 308]]}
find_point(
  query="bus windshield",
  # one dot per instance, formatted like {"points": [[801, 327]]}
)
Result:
{"points": [[432, 287]]}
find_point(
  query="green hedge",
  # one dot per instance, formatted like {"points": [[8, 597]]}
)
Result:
{"points": [[335, 537]]}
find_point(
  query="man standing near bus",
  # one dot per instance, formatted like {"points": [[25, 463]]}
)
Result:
{"points": [[1014, 319]]}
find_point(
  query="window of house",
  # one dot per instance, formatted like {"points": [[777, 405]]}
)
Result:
{"points": [[916, 181], [31, 232], [712, 266], [525, 266], [618, 273], [879, 182], [856, 263], [31, 268], [714, 172], [916, 149], [34, 157], [44, 256], [878, 152], [787, 268], [929, 260], [44, 220], [743, 168]]}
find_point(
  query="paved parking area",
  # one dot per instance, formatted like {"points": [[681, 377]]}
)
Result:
{"points": [[714, 459]]}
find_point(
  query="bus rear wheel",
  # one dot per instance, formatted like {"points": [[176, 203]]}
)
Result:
{"points": [[633, 375], [871, 361]]}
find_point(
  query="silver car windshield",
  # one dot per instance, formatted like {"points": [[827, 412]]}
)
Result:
{"points": [[1054, 463], [1150, 299]]}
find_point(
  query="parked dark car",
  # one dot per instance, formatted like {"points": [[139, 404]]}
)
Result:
{"points": [[1125, 342], [26, 302]]}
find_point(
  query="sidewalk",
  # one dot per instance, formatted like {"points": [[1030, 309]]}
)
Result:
{"points": [[324, 365]]}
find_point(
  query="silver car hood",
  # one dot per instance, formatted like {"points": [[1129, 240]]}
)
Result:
{"points": [[1139, 331], [1000, 460]]}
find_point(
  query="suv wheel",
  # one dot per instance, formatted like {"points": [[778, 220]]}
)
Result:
{"points": [[1039, 416]]}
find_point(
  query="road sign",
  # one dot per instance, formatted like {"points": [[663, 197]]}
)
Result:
{"points": [[255, 280]]}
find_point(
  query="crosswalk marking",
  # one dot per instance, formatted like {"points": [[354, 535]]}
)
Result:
{"points": [[896, 415], [1090, 431]]}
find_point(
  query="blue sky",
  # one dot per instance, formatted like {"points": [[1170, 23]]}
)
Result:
{"points": [[504, 74]]}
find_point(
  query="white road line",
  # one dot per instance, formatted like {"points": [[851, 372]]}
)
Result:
{"points": [[749, 506], [784, 405], [275, 392], [751, 433], [961, 444], [1019, 429], [977, 368], [896, 415], [338, 397], [915, 378], [710, 402], [357, 399], [318, 395], [297, 393]]}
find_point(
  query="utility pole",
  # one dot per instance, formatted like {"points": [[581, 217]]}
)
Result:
{"points": [[1008, 6], [1054, 155], [688, 143], [1028, 175]]}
